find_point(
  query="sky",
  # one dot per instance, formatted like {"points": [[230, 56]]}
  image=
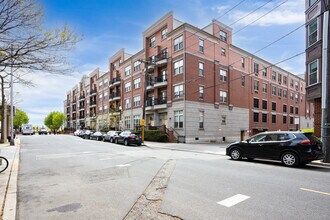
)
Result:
{"points": [[105, 26]]}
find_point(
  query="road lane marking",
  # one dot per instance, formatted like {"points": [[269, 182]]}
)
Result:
{"points": [[315, 191], [123, 165], [231, 201]]}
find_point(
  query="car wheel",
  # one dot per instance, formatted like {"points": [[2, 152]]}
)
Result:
{"points": [[111, 140], [126, 142], [290, 159], [116, 141], [104, 139], [235, 154]]}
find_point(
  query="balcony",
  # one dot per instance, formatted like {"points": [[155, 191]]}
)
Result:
{"points": [[92, 115], [68, 103], [81, 108], [161, 59], [93, 92], [150, 103], [115, 81], [150, 83], [92, 104], [160, 81], [114, 96], [82, 97], [160, 103], [81, 117]]}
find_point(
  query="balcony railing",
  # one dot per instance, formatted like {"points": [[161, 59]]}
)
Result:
{"points": [[81, 97], [92, 103], [114, 95], [93, 92], [115, 81], [150, 101], [81, 107], [160, 101]]}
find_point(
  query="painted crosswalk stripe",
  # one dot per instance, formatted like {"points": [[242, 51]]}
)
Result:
{"points": [[231, 201], [123, 165]]}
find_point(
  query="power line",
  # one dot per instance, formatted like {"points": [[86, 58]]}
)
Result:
{"points": [[231, 9]]}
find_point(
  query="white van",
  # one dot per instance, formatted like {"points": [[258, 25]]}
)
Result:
{"points": [[27, 129]]}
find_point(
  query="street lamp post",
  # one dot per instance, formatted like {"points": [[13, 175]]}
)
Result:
{"points": [[12, 141]]}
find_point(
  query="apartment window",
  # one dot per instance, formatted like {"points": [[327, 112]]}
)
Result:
{"points": [[311, 2], [291, 109], [223, 75], [297, 110], [178, 67], [137, 83], [178, 91], [164, 33], [273, 90], [100, 109], [201, 69], [297, 86], [223, 36], [279, 91], [201, 92], [137, 101], [273, 118], [297, 97], [255, 116], [264, 72], [201, 45], [291, 83], [273, 106], [243, 81], [256, 103], [284, 119], [284, 80], [284, 108], [273, 75], [291, 95], [127, 70], [127, 103], [105, 94], [223, 96], [243, 62], [127, 122], [178, 119], [152, 41], [264, 117], [201, 120], [312, 32], [256, 68], [291, 120], [152, 59], [178, 43], [137, 65], [312, 72], [279, 78], [264, 104], [136, 120], [100, 96], [285, 93], [256, 85], [100, 85], [223, 120], [223, 51], [128, 87], [264, 88]]}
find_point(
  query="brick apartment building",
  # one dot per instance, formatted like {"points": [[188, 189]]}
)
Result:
{"points": [[196, 83]]}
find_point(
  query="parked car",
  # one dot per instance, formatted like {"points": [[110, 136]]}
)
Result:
{"points": [[76, 133], [128, 138], [87, 134], [111, 136], [81, 133], [291, 148], [43, 130], [96, 136]]}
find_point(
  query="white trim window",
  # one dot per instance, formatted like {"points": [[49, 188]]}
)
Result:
{"points": [[178, 91], [256, 85], [223, 36], [311, 2], [152, 41], [100, 109], [127, 122], [164, 33], [137, 101], [178, 43], [201, 45], [279, 92], [285, 94], [274, 75], [312, 32], [223, 75], [136, 120], [273, 90], [264, 72], [264, 87], [223, 96], [137, 65], [137, 83], [256, 68], [178, 119], [223, 52], [127, 103], [100, 96], [128, 87], [128, 70], [201, 69], [201, 119], [243, 62], [178, 67], [105, 94], [201, 92], [313, 72]]}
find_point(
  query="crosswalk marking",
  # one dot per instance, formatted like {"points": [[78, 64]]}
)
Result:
{"points": [[231, 201]]}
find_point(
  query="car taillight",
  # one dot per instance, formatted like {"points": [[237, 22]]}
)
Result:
{"points": [[306, 142], [130, 137]]}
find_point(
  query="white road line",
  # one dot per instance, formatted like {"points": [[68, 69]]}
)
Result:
{"points": [[123, 165], [109, 158], [315, 191], [231, 201]]}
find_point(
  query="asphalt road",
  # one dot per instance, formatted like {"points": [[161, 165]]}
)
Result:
{"points": [[65, 177]]}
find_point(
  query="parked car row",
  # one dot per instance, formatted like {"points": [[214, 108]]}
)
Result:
{"points": [[118, 137]]}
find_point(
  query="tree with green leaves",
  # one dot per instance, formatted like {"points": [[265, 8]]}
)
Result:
{"points": [[55, 120], [27, 45], [20, 118]]}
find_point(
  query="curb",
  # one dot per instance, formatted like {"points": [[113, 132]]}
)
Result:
{"points": [[320, 164], [10, 202]]}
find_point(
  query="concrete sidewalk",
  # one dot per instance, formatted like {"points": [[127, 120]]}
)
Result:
{"points": [[210, 148], [8, 181]]}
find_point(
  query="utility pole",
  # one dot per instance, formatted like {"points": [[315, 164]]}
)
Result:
{"points": [[12, 141], [325, 124]]}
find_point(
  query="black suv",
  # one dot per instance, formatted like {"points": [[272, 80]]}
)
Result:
{"points": [[292, 148]]}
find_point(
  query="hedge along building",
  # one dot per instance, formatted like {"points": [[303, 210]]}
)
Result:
{"points": [[201, 86]]}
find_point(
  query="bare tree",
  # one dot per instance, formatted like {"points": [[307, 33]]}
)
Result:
{"points": [[25, 45]]}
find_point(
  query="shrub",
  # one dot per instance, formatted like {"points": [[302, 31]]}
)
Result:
{"points": [[155, 135]]}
